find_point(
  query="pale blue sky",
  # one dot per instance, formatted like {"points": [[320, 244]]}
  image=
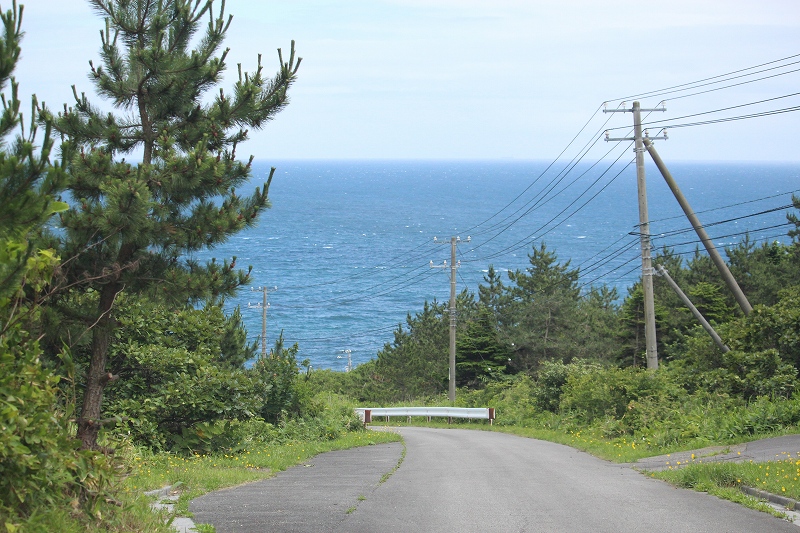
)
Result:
{"points": [[465, 79]]}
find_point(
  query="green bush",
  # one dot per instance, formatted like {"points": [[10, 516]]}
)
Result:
{"points": [[178, 370], [170, 390], [763, 357], [551, 378], [513, 400], [223, 435], [41, 466], [34, 450], [763, 415], [629, 394]]}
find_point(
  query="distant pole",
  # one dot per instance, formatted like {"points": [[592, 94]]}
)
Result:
{"points": [[453, 267], [264, 325], [644, 235], [263, 306], [349, 366], [716, 258]]}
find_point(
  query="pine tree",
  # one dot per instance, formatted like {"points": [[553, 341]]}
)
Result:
{"points": [[490, 295], [28, 180], [543, 310], [135, 226], [480, 356], [794, 219]]}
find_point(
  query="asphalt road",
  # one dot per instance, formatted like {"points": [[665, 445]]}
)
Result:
{"points": [[460, 480]]}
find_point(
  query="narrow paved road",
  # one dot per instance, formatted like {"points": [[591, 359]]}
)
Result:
{"points": [[462, 480]]}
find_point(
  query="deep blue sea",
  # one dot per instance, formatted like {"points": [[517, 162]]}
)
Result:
{"points": [[348, 244]]}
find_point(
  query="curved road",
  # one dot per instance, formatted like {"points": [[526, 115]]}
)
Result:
{"points": [[462, 480]]}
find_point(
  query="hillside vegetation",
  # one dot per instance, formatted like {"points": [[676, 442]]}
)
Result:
{"points": [[547, 352]]}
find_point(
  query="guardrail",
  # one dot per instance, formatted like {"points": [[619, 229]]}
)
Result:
{"points": [[485, 413]]}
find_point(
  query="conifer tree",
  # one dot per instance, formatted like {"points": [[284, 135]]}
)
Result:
{"points": [[135, 226], [543, 310], [28, 181]]}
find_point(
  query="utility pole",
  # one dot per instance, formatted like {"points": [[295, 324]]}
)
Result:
{"points": [[263, 306], [644, 232], [453, 267], [349, 359]]}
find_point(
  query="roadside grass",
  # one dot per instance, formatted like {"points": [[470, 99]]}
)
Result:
{"points": [[199, 474], [726, 479], [134, 514]]}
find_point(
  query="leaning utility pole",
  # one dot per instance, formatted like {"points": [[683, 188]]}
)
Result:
{"points": [[453, 266], [716, 258], [263, 306], [661, 271], [644, 232]]}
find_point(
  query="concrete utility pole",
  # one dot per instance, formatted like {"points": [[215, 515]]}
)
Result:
{"points": [[644, 232], [453, 266], [716, 258], [263, 306], [349, 366], [661, 271]]}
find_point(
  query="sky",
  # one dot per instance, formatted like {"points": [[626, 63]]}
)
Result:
{"points": [[474, 79]]}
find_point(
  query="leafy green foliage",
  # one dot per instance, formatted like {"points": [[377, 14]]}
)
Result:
{"points": [[763, 360], [175, 371], [277, 378], [616, 394], [775, 327], [34, 449]]}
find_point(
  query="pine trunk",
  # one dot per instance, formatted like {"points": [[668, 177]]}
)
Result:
{"points": [[89, 423]]}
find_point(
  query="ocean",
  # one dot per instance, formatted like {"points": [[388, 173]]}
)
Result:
{"points": [[346, 248]]}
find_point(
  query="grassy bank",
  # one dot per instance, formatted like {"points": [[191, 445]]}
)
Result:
{"points": [[725, 480]]}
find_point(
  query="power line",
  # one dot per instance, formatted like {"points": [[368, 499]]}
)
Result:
{"points": [[711, 112], [571, 165], [731, 119], [662, 91], [538, 233], [728, 206]]}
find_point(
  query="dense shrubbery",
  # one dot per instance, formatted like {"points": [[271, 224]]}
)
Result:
{"points": [[183, 385], [37, 459]]}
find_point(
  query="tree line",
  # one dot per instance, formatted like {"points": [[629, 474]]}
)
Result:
{"points": [[521, 322]]}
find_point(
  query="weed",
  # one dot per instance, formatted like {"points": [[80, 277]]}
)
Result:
{"points": [[726, 479]]}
